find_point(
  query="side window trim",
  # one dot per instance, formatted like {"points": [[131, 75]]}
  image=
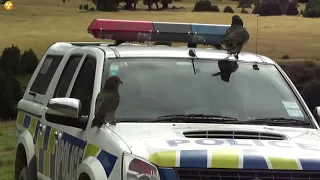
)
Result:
{"points": [[57, 75], [75, 75], [90, 58], [100, 77], [73, 55], [34, 96], [55, 78]]}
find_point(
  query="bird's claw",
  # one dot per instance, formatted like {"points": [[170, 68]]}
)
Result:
{"points": [[113, 123], [236, 56]]}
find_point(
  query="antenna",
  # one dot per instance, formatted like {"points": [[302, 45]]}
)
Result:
{"points": [[257, 33], [150, 5]]}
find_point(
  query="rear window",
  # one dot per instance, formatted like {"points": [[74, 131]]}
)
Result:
{"points": [[45, 75]]}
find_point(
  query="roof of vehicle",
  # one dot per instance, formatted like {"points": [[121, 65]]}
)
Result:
{"points": [[129, 50]]}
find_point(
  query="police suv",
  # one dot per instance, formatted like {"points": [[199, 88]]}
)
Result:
{"points": [[185, 113]]}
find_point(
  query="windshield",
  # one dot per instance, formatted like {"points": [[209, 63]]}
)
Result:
{"points": [[154, 87]]}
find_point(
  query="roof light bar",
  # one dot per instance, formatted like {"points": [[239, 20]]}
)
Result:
{"points": [[126, 30]]}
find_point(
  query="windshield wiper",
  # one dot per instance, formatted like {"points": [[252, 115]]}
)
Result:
{"points": [[277, 121], [195, 118]]}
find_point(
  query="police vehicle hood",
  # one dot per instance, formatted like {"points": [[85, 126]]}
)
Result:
{"points": [[188, 145]]}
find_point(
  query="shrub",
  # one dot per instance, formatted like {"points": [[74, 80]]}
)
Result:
{"points": [[28, 62], [305, 75], [215, 8], [285, 56], [245, 3], [91, 9], [202, 5], [86, 7], [244, 11], [311, 93], [17, 92], [269, 8], [7, 103], [103, 5], [165, 3], [228, 9], [291, 9], [81, 7], [313, 4], [10, 59], [312, 13], [312, 9]]}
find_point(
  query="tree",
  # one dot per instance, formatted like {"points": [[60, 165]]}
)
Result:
{"points": [[7, 104], [245, 3], [228, 9], [292, 9], [305, 76], [10, 59], [313, 4], [312, 9], [106, 5], [272, 7], [28, 62], [203, 5]]}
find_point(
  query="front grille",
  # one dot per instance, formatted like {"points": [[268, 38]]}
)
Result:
{"points": [[230, 174]]}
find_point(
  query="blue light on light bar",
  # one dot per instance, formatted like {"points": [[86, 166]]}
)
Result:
{"points": [[208, 33], [125, 30]]}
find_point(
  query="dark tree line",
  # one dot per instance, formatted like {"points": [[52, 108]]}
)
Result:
{"points": [[13, 64]]}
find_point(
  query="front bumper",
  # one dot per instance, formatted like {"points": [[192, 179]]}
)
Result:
{"points": [[235, 174]]}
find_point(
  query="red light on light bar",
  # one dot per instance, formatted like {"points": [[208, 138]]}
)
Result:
{"points": [[121, 29]]}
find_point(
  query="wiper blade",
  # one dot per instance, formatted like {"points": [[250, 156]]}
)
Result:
{"points": [[277, 121], [190, 118]]}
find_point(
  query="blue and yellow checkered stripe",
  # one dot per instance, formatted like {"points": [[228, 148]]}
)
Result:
{"points": [[231, 158], [217, 158], [45, 145]]}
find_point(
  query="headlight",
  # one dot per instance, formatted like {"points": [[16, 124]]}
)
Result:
{"points": [[135, 168]]}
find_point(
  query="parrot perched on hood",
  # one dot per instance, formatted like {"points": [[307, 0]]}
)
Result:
{"points": [[107, 102]]}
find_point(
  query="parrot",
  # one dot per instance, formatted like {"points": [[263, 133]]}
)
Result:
{"points": [[235, 37], [107, 102]]}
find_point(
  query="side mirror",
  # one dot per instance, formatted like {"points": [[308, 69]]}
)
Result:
{"points": [[317, 113], [65, 111]]}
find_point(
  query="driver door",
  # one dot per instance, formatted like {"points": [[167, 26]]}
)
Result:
{"points": [[66, 138]]}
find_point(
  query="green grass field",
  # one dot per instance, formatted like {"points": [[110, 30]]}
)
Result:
{"points": [[7, 146], [38, 23]]}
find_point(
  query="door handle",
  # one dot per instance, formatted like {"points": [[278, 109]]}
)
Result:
{"points": [[42, 128], [57, 135]]}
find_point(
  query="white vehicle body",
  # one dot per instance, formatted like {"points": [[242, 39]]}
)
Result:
{"points": [[59, 151]]}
